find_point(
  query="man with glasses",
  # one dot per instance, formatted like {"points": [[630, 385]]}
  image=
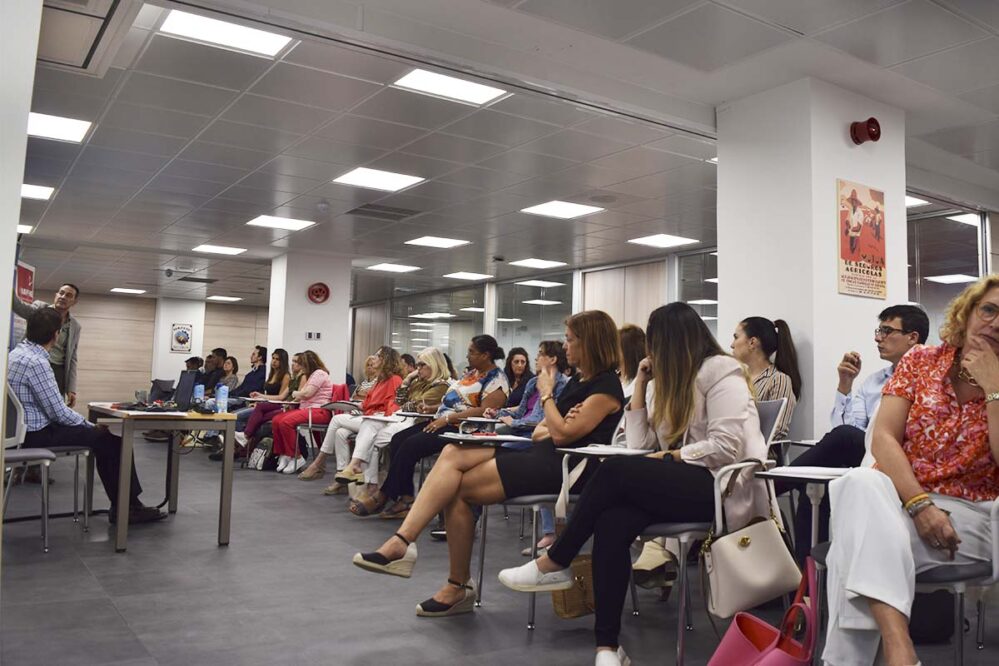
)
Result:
{"points": [[901, 328]]}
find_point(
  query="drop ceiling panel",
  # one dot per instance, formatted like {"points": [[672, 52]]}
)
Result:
{"points": [[960, 69], [230, 156], [414, 165], [370, 132], [809, 16], [97, 156], [987, 98], [709, 37], [76, 84], [409, 108], [486, 179], [642, 161], [312, 87], [168, 183], [573, 145], [608, 18], [687, 146], [179, 59], [541, 108], [303, 168], [526, 164], [453, 148], [214, 172], [277, 114], [347, 62], [249, 136], [986, 11], [623, 129], [282, 182], [136, 142], [162, 92], [152, 120], [55, 103], [901, 33], [967, 140]]}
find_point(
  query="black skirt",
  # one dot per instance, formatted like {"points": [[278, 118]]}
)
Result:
{"points": [[537, 470]]}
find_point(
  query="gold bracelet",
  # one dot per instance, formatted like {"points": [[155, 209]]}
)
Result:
{"points": [[991, 397], [915, 498], [545, 398]]}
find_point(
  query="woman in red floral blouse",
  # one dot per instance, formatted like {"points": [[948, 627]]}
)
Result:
{"points": [[936, 442]]}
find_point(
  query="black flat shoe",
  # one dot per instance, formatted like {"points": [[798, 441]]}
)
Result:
{"points": [[138, 514]]}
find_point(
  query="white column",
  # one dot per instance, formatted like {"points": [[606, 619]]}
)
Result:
{"points": [[20, 23], [780, 154], [292, 316], [170, 311]]}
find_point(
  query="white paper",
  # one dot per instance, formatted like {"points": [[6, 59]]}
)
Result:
{"points": [[811, 472]]}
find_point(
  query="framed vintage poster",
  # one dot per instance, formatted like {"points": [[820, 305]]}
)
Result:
{"points": [[180, 338], [861, 227]]}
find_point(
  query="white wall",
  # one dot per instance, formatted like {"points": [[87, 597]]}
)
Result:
{"points": [[780, 153], [170, 311], [292, 314]]}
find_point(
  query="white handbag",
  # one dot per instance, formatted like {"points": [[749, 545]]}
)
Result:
{"points": [[749, 566]]}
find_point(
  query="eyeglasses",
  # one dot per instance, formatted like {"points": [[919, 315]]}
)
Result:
{"points": [[987, 311], [882, 332]]}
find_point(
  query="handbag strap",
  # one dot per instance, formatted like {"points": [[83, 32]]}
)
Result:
{"points": [[569, 480]]}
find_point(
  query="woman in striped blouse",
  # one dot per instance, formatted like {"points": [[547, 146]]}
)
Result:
{"points": [[756, 340]]}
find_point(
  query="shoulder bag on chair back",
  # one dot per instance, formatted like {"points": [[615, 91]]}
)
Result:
{"points": [[749, 566]]}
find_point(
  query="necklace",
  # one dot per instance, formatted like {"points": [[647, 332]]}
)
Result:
{"points": [[962, 372]]}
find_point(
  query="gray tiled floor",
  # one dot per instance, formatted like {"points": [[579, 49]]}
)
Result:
{"points": [[284, 591]]}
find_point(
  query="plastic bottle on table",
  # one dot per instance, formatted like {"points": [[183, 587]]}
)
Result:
{"points": [[199, 393], [221, 399]]}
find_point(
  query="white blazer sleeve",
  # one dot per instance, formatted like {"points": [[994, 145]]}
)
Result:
{"points": [[727, 404]]}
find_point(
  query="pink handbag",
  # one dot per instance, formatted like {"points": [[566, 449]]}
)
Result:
{"points": [[749, 641]]}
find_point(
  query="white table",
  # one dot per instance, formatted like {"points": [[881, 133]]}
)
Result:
{"points": [[815, 480]]}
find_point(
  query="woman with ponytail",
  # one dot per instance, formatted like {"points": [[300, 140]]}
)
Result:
{"points": [[756, 340]]}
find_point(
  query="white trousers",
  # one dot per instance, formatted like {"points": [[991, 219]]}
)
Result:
{"points": [[372, 436], [876, 554], [336, 442]]}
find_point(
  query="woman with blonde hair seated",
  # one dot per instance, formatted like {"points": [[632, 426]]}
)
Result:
{"points": [[927, 502], [701, 416], [371, 366], [469, 475]]}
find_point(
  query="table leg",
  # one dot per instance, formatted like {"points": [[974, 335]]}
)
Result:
{"points": [[225, 501], [173, 473], [815, 492], [124, 485]]}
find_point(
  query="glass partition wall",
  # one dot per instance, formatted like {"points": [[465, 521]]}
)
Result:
{"points": [[445, 320], [699, 285], [529, 311]]}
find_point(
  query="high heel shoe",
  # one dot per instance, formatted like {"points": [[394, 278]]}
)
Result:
{"points": [[378, 563], [433, 608]]}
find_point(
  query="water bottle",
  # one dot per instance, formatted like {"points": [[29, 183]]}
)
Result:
{"points": [[199, 393], [221, 399]]}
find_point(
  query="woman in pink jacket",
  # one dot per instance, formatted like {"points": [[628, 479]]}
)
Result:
{"points": [[701, 416]]}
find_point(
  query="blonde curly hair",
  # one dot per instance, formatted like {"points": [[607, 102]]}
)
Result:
{"points": [[959, 311]]}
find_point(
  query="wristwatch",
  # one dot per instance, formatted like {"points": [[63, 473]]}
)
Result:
{"points": [[545, 398], [989, 397]]}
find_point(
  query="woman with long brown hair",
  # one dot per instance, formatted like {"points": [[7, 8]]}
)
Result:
{"points": [[316, 391], [701, 416], [756, 340], [470, 475], [632, 353]]}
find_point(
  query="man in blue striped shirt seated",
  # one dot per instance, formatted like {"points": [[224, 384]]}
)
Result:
{"points": [[51, 423]]}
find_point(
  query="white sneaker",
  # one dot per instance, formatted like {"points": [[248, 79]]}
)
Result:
{"points": [[612, 658], [294, 464], [241, 438], [282, 463], [527, 578]]}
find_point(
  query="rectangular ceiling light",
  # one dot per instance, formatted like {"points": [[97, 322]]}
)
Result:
{"points": [[563, 210], [958, 278], [219, 249], [541, 301], [537, 263], [702, 301], [437, 241], [374, 179], [420, 324], [123, 290], [286, 223], [221, 33], [463, 275], [225, 299], [393, 268], [713, 160], [912, 202], [967, 218], [473, 309], [440, 85], [433, 315], [56, 127], [507, 319], [24, 228], [39, 192], [419, 339], [706, 318], [714, 280], [544, 284], [662, 240]]}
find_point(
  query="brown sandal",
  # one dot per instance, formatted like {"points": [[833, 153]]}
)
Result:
{"points": [[368, 505], [398, 511]]}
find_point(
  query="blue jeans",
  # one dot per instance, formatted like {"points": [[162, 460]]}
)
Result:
{"points": [[242, 416], [547, 521]]}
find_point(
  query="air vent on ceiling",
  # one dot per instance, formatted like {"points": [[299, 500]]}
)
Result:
{"points": [[198, 280], [83, 36], [388, 213]]}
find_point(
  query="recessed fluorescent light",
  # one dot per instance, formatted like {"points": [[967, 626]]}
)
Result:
{"points": [[221, 33], [563, 210], [39, 192], [702, 301], [433, 315], [56, 127], [24, 228], [713, 254], [225, 299], [544, 284], [374, 179], [419, 325], [972, 219], [662, 240], [537, 263], [541, 301], [710, 318], [714, 280], [473, 309], [713, 160], [912, 202], [507, 319], [419, 339], [393, 268], [463, 275], [958, 278], [437, 241], [219, 249], [431, 83], [123, 290], [287, 223]]}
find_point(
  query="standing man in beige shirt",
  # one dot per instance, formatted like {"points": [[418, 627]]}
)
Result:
{"points": [[62, 356]]}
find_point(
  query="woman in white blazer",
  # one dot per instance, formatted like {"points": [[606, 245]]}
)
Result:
{"points": [[701, 417]]}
